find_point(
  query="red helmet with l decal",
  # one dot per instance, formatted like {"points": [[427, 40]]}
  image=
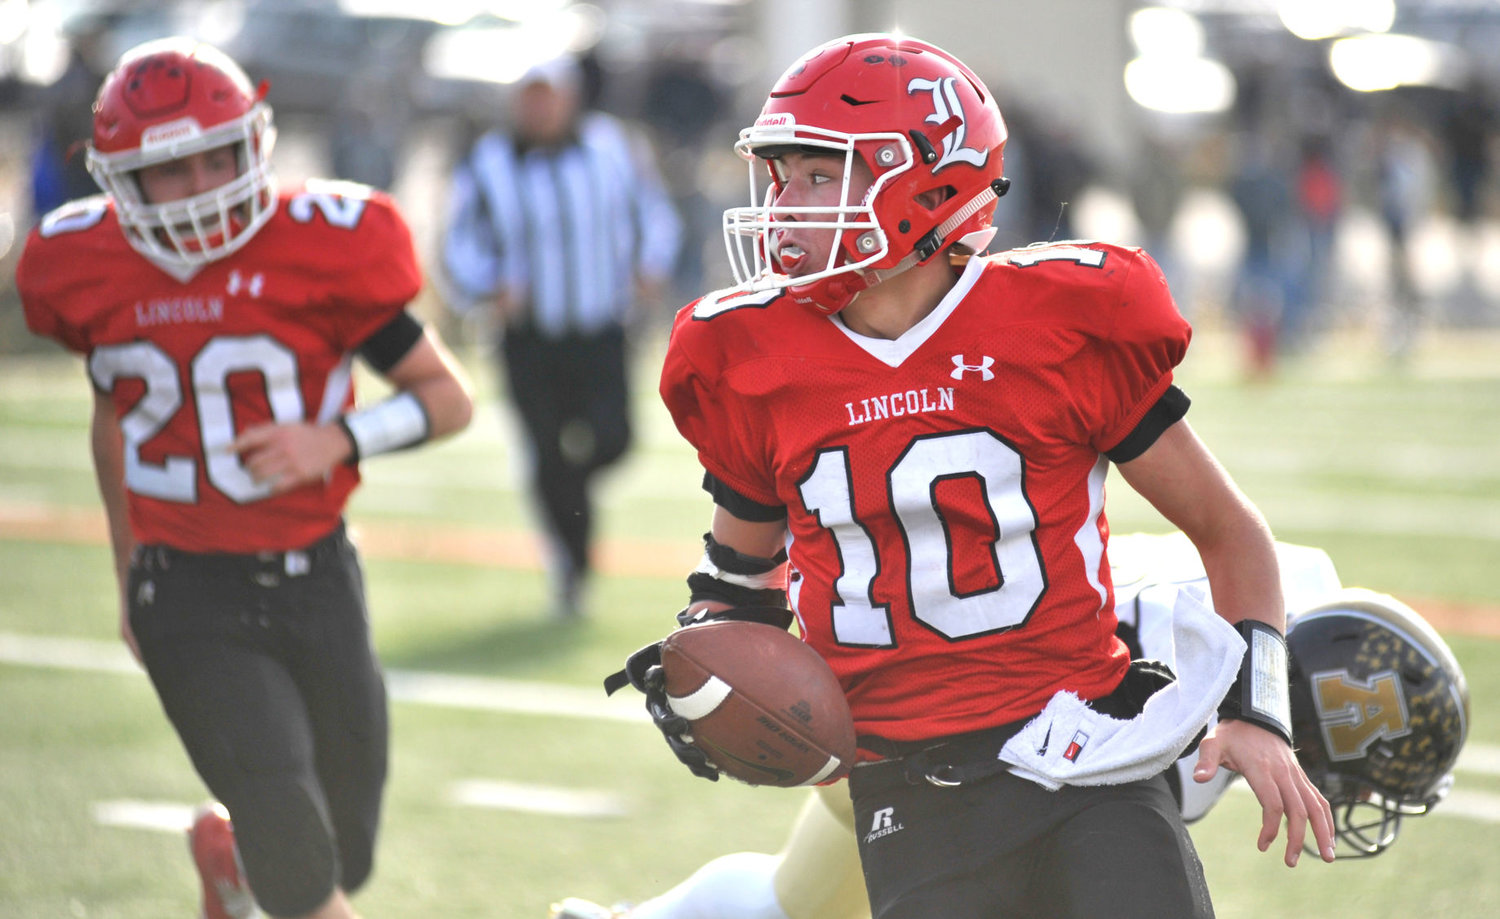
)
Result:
{"points": [[918, 118]]}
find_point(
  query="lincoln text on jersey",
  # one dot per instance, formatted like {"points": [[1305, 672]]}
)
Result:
{"points": [[169, 310], [896, 404]]}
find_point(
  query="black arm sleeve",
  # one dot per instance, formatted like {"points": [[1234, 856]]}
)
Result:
{"points": [[391, 342], [739, 505], [1167, 411]]}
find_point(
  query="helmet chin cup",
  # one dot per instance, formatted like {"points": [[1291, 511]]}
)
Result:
{"points": [[831, 294]]}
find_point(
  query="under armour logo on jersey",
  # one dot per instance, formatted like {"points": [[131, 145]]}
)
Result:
{"points": [[237, 283], [884, 824], [982, 368]]}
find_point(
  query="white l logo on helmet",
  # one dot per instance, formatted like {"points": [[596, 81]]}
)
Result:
{"points": [[945, 105]]}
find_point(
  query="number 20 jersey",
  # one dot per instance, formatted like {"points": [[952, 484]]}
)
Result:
{"points": [[944, 491], [264, 334]]}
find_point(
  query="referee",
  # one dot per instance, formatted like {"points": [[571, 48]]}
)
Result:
{"points": [[558, 227]]}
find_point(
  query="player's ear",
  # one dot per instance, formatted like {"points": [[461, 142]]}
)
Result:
{"points": [[932, 197]]}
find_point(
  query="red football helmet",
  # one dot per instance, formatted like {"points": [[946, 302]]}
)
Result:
{"points": [[171, 98], [918, 118]]}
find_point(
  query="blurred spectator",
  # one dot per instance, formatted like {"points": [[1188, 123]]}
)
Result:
{"points": [[1048, 170], [65, 121], [682, 104], [1156, 191], [560, 230], [1467, 134], [367, 126], [1320, 204], [1404, 179], [1261, 190], [1060, 171]]}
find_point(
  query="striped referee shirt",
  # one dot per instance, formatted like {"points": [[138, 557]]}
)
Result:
{"points": [[566, 230]]}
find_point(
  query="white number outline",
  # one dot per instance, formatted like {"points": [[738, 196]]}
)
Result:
{"points": [[733, 298], [1082, 256], [859, 620], [73, 217], [341, 203], [175, 479]]}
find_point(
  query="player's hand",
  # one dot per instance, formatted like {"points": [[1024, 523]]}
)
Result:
{"points": [[288, 456], [643, 669], [1273, 773]]}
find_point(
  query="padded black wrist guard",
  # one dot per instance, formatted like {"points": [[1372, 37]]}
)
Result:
{"points": [[1260, 694], [727, 576]]}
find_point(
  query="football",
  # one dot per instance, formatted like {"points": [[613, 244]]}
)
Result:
{"points": [[762, 705]]}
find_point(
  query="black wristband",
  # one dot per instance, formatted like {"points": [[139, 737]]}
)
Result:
{"points": [[735, 562], [1260, 694]]}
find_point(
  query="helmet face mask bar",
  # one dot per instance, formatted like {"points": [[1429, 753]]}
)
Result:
{"points": [[750, 232], [1380, 711], [1367, 823]]}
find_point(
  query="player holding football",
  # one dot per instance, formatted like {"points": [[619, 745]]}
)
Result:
{"points": [[927, 438], [1377, 764], [218, 319]]}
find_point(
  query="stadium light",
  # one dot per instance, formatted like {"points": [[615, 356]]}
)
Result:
{"points": [[1373, 63], [1318, 19], [1170, 73]]}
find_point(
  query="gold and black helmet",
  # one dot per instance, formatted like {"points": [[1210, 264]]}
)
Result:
{"points": [[1380, 711]]}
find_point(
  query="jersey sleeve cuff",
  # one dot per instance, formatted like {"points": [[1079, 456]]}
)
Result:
{"points": [[739, 505], [1167, 411]]}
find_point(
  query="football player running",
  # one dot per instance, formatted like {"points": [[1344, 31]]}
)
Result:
{"points": [[926, 433], [1343, 641], [218, 320]]}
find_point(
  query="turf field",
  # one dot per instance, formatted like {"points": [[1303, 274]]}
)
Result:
{"points": [[515, 782]]}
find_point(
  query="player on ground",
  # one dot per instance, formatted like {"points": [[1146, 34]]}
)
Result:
{"points": [[218, 320], [927, 437], [1374, 772]]}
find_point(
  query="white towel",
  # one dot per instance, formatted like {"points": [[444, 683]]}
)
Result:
{"points": [[1069, 743]]}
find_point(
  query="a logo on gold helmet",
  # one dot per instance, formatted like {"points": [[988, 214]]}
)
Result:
{"points": [[1356, 713]]}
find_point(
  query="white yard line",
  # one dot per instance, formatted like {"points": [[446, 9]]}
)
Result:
{"points": [[519, 697], [537, 799]]}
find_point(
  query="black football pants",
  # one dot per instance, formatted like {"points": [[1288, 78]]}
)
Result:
{"points": [[265, 667], [1006, 847], [572, 395]]}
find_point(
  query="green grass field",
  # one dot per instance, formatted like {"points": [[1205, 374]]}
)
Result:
{"points": [[1393, 472]]}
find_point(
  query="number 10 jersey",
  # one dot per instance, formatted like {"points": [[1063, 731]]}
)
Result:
{"points": [[944, 491]]}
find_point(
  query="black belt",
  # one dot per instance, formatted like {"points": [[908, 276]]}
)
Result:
{"points": [[961, 758], [264, 568], [951, 760]]}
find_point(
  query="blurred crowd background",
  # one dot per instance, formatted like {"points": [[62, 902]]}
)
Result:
{"points": [[1299, 167]]}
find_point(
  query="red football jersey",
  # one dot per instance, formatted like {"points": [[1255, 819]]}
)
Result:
{"points": [[266, 333], [945, 491]]}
